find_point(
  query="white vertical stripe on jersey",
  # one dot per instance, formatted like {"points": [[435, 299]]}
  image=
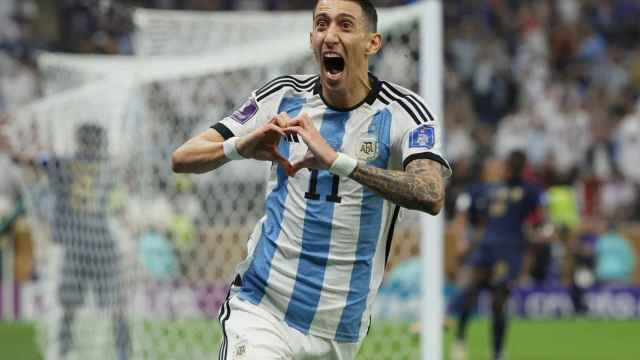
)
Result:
{"points": [[284, 264], [342, 255]]}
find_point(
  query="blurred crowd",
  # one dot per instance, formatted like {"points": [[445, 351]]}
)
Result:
{"points": [[558, 79], [18, 73]]}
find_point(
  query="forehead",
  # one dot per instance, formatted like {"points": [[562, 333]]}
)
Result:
{"points": [[337, 7]]}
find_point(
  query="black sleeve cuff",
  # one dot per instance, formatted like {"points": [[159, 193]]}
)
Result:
{"points": [[425, 155], [223, 130]]}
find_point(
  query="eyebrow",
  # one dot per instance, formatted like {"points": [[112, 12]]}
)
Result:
{"points": [[341, 15]]}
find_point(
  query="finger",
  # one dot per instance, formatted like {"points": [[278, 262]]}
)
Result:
{"points": [[294, 130], [305, 118], [286, 165], [295, 168], [299, 166], [290, 172], [295, 122], [283, 119], [277, 120], [272, 127]]}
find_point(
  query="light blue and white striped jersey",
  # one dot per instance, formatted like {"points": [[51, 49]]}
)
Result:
{"points": [[317, 257]]}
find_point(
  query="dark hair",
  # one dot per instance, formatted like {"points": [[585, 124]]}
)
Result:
{"points": [[91, 135], [516, 162], [368, 10]]}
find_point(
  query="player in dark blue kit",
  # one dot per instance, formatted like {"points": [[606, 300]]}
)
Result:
{"points": [[500, 210], [81, 185]]}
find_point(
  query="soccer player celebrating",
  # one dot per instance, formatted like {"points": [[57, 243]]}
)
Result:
{"points": [[500, 211], [347, 150], [81, 186]]}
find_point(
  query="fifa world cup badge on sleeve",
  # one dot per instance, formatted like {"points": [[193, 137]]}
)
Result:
{"points": [[246, 111], [423, 137]]}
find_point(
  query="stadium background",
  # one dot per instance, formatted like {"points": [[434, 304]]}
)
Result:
{"points": [[558, 78]]}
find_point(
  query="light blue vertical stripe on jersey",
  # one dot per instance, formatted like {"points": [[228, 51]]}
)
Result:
{"points": [[254, 280], [381, 127], [316, 235], [370, 221]]}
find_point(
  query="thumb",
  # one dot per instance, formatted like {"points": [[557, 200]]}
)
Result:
{"points": [[306, 163], [293, 170]]}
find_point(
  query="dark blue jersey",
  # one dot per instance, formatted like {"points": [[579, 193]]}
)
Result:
{"points": [[81, 187], [502, 209]]}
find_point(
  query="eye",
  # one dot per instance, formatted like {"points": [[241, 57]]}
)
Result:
{"points": [[321, 24], [346, 24]]}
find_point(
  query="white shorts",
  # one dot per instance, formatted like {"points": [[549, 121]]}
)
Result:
{"points": [[250, 332]]}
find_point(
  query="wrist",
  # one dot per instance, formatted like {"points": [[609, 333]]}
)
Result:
{"points": [[343, 165], [230, 148]]}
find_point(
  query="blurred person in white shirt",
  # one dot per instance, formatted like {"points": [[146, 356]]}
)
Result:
{"points": [[628, 135]]}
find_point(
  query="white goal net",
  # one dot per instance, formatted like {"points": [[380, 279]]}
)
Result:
{"points": [[178, 237]]}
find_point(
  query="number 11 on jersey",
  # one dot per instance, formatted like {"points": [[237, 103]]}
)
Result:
{"points": [[312, 194]]}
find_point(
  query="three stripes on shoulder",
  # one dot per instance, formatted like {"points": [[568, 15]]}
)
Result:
{"points": [[388, 94]]}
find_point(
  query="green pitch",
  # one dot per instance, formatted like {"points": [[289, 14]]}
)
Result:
{"points": [[528, 340]]}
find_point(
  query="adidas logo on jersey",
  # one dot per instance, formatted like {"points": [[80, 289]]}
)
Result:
{"points": [[293, 138]]}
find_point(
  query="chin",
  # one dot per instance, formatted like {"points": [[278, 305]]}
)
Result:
{"points": [[333, 82]]}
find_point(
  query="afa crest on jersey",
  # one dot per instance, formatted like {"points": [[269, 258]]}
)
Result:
{"points": [[368, 149], [245, 112], [423, 136]]}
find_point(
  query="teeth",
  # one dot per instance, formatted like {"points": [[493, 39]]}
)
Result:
{"points": [[332, 55]]}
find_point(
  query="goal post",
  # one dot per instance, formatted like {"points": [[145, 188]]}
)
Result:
{"points": [[432, 249], [181, 235]]}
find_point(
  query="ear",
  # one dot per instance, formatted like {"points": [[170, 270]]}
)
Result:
{"points": [[311, 40], [375, 43]]}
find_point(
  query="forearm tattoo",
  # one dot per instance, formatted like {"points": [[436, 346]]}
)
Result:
{"points": [[419, 187]]}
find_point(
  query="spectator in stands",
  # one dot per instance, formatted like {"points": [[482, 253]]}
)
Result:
{"points": [[77, 23], [493, 88], [628, 135], [91, 26], [600, 163], [615, 258], [20, 84]]}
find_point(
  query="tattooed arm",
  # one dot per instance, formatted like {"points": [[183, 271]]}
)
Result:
{"points": [[419, 187]]}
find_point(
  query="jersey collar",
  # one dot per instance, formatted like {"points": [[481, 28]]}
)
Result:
{"points": [[370, 99]]}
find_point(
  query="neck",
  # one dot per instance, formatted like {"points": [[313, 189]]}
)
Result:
{"points": [[348, 97]]}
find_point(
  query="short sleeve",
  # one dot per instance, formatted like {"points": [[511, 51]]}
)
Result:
{"points": [[416, 133], [423, 141], [249, 116]]}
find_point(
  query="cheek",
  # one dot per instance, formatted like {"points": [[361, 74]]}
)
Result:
{"points": [[356, 47], [357, 52], [316, 42]]}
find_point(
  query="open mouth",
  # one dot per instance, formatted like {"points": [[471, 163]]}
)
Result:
{"points": [[333, 64]]}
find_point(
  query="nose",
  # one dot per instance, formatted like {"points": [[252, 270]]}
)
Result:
{"points": [[332, 38]]}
